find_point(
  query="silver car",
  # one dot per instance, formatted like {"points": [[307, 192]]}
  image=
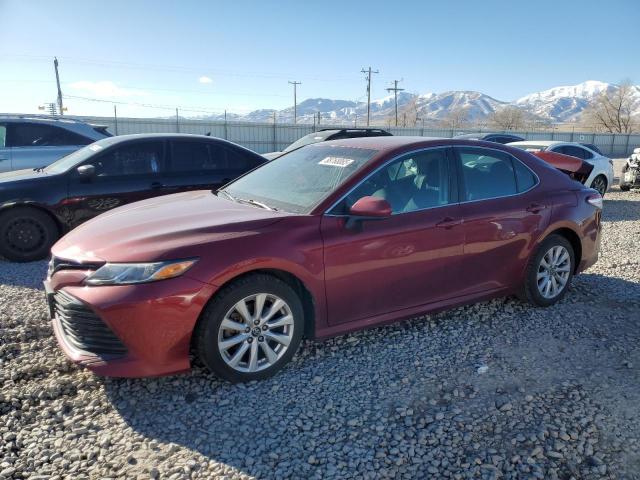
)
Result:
{"points": [[34, 141]]}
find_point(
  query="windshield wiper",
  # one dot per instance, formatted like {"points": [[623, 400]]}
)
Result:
{"points": [[227, 194], [39, 169], [250, 201]]}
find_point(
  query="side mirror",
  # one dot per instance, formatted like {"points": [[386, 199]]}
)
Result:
{"points": [[368, 208], [86, 171]]}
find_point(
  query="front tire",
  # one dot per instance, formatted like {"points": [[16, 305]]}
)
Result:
{"points": [[251, 329], [26, 234], [550, 271], [600, 184]]}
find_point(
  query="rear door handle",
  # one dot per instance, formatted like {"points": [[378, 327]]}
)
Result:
{"points": [[536, 207], [156, 185], [449, 222]]}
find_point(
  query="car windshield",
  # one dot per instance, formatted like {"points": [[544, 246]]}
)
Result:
{"points": [[308, 140], [298, 181], [69, 161], [529, 147]]}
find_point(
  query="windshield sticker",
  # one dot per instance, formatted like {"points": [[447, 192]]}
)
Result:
{"points": [[95, 148], [336, 161]]}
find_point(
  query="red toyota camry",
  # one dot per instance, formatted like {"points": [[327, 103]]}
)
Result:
{"points": [[331, 238]]}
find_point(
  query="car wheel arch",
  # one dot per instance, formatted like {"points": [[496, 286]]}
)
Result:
{"points": [[572, 237], [306, 296]]}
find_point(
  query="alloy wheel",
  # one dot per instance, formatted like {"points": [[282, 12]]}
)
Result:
{"points": [[599, 184], [256, 332], [553, 272]]}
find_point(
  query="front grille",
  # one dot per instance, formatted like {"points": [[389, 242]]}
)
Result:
{"points": [[83, 329]]}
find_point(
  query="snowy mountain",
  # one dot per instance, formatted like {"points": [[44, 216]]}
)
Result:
{"points": [[558, 104], [564, 103]]}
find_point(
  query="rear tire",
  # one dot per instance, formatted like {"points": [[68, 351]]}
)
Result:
{"points": [[26, 234], [600, 184], [549, 271], [251, 329]]}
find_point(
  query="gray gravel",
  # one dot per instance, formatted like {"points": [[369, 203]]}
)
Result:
{"points": [[494, 390]]}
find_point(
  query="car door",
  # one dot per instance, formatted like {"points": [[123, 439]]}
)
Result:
{"points": [[37, 145], [408, 259], [502, 214], [125, 173], [5, 151]]}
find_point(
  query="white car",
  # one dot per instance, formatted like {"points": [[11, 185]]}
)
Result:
{"points": [[601, 177]]}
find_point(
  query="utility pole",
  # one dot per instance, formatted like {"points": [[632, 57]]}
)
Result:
{"points": [[395, 91], [55, 65], [368, 79], [295, 100]]}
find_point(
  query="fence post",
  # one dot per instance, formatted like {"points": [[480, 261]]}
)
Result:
{"points": [[613, 143], [177, 122], [115, 117], [626, 147], [226, 135], [275, 145]]}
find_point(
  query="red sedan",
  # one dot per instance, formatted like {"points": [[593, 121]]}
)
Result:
{"points": [[328, 239]]}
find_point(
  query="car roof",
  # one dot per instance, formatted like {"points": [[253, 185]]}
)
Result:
{"points": [[545, 143], [107, 142]]}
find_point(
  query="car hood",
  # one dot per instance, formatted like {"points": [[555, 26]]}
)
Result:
{"points": [[162, 228], [20, 175]]}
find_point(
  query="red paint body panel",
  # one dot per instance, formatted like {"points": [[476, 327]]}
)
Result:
{"points": [[375, 272]]}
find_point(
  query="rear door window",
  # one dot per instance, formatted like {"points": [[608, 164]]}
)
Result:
{"points": [[486, 174], [36, 135], [190, 157], [229, 158]]}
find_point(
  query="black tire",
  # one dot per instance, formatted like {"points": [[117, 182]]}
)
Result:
{"points": [[26, 234], [600, 184], [209, 325], [531, 291]]}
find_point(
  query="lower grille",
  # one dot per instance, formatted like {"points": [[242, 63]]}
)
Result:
{"points": [[83, 329]]}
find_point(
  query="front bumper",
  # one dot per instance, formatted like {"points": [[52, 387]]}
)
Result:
{"points": [[152, 323]]}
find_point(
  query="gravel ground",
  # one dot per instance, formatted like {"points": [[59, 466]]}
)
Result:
{"points": [[494, 390]]}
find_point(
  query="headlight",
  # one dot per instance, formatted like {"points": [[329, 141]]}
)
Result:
{"points": [[128, 273]]}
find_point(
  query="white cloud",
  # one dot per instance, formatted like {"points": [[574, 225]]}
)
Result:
{"points": [[105, 88], [204, 79]]}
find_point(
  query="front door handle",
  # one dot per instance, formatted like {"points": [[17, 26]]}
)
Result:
{"points": [[536, 207], [449, 222], [156, 185]]}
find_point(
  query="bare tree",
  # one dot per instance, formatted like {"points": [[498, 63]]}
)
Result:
{"points": [[408, 114], [611, 111], [456, 118], [508, 118]]}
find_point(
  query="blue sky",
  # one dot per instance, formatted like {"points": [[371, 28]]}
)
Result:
{"points": [[239, 55]]}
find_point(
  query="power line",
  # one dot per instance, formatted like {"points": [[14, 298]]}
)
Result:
{"points": [[295, 100], [368, 79], [146, 105], [395, 91]]}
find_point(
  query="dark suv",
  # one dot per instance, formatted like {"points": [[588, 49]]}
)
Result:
{"points": [[40, 204], [36, 141], [326, 134]]}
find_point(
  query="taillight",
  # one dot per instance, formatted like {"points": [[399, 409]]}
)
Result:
{"points": [[595, 200]]}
